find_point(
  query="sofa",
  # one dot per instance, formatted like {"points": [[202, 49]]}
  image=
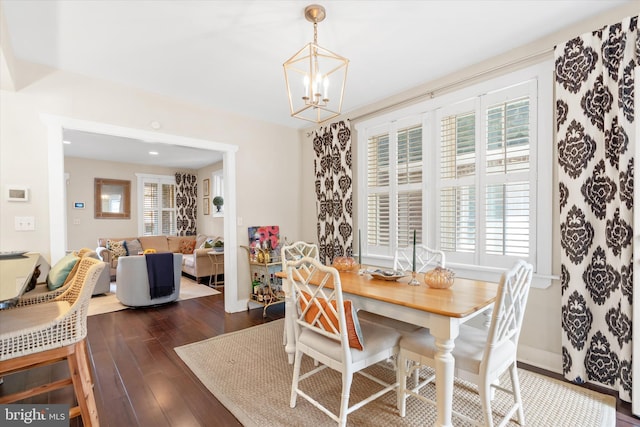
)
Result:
{"points": [[196, 261], [132, 282]]}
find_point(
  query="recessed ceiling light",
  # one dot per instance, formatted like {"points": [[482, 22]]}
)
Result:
{"points": [[153, 153], [66, 142]]}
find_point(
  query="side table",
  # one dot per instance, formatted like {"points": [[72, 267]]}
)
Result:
{"points": [[217, 262]]}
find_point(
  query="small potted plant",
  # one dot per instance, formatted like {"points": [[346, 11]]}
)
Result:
{"points": [[218, 246], [218, 201]]}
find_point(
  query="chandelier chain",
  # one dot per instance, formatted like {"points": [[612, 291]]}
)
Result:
{"points": [[315, 33]]}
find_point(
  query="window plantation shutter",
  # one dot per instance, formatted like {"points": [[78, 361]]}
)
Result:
{"points": [[409, 180], [507, 195], [457, 194], [169, 224], [378, 206], [150, 208]]}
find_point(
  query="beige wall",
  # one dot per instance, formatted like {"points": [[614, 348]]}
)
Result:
{"points": [[83, 229]]}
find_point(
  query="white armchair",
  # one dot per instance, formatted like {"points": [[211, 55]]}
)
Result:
{"points": [[132, 282]]}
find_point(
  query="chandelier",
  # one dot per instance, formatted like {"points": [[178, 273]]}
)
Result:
{"points": [[315, 77]]}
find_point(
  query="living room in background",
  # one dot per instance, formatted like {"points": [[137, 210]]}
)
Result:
{"points": [[157, 205], [466, 172]]}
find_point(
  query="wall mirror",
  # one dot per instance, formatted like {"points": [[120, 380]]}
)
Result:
{"points": [[112, 198]]}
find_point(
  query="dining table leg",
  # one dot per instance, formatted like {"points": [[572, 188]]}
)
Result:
{"points": [[445, 330]]}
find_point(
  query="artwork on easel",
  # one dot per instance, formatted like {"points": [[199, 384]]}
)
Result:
{"points": [[265, 237]]}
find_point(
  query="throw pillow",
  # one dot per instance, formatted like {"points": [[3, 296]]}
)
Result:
{"points": [[354, 333], [59, 272], [208, 244], [133, 246], [150, 251], [117, 248], [187, 246]]}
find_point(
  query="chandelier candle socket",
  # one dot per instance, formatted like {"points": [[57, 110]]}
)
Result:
{"points": [[311, 73]]}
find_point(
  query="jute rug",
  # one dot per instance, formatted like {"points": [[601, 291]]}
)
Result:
{"points": [[108, 302], [248, 372]]}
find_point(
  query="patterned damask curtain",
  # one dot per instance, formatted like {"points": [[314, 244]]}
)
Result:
{"points": [[595, 78], [186, 203], [334, 201]]}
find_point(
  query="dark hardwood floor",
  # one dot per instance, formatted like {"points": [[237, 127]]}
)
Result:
{"points": [[141, 381]]}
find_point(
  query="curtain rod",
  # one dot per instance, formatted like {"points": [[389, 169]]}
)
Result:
{"points": [[432, 93]]}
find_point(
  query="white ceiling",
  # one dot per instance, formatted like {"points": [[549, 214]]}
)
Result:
{"points": [[229, 54], [118, 149]]}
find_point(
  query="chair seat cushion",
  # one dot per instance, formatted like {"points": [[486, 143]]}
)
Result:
{"points": [[21, 318], [376, 339], [468, 350]]}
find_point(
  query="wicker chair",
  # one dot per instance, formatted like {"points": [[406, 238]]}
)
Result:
{"points": [[40, 297], [53, 331]]}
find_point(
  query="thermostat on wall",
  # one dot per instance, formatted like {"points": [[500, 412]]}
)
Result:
{"points": [[16, 193], [78, 205]]}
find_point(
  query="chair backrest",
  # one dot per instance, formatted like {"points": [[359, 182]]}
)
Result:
{"points": [[508, 310], [298, 250], [320, 306], [81, 280], [79, 295], [425, 258]]}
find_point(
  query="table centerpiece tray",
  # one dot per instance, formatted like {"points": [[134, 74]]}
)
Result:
{"points": [[388, 275]]}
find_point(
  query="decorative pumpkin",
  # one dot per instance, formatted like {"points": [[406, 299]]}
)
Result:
{"points": [[344, 263], [439, 278]]}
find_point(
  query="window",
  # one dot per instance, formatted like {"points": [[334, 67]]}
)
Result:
{"points": [[157, 205], [463, 171], [394, 188]]}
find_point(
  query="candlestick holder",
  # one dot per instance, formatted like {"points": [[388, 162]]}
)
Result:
{"points": [[360, 270], [414, 280]]}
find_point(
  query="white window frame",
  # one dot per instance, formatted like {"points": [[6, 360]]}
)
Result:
{"points": [[158, 179], [540, 78]]}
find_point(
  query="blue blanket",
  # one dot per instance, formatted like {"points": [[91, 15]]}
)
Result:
{"points": [[160, 272]]}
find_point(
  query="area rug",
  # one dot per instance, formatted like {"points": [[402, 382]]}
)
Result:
{"points": [[248, 372], [108, 302]]}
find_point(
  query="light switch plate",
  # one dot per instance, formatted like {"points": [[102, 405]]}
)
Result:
{"points": [[25, 223]]}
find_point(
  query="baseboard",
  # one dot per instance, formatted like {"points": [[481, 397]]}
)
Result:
{"points": [[540, 358]]}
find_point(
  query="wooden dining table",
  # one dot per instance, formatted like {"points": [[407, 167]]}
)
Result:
{"points": [[440, 310]]}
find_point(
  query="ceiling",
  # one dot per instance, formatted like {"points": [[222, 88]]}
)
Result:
{"points": [[229, 54], [119, 149]]}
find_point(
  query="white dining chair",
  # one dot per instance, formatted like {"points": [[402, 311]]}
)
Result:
{"points": [[292, 252], [298, 250], [425, 258], [328, 331], [481, 356]]}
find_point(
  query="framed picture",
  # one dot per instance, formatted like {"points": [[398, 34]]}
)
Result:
{"points": [[205, 202], [205, 187]]}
